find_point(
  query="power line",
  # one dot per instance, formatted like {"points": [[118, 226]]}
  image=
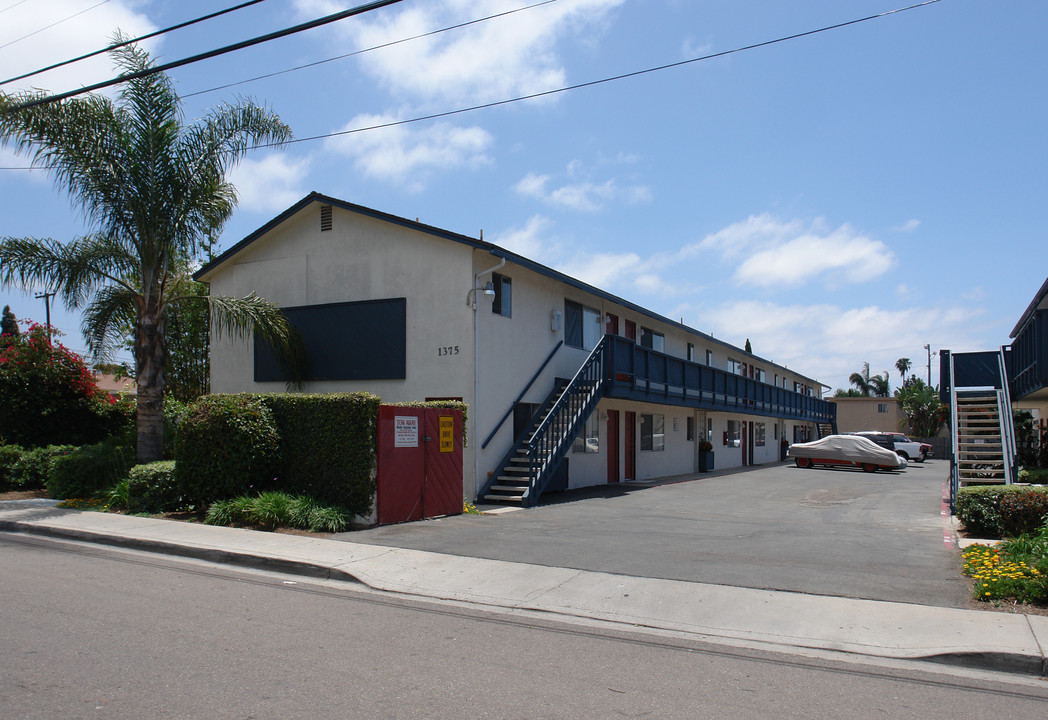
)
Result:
{"points": [[365, 50], [602, 81], [578, 86], [59, 22], [360, 9], [147, 36], [9, 7]]}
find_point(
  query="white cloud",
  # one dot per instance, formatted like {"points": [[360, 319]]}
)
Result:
{"points": [[829, 342], [532, 241], [500, 58], [406, 156], [908, 226], [777, 253], [81, 34], [584, 196], [270, 184]]}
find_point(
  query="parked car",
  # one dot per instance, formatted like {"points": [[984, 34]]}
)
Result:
{"points": [[904, 446], [848, 450]]}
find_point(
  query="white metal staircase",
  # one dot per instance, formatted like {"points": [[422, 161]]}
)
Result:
{"points": [[982, 430]]}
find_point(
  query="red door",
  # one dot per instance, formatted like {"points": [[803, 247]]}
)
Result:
{"points": [[630, 444], [419, 463], [613, 446], [612, 326], [631, 330]]}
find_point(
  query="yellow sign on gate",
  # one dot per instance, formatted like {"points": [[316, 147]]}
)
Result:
{"points": [[447, 434]]}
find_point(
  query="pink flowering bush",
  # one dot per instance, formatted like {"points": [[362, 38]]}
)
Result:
{"points": [[48, 396]]}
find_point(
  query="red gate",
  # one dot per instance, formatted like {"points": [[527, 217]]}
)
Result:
{"points": [[419, 463]]}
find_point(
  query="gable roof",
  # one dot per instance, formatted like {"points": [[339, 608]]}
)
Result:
{"points": [[315, 197], [1037, 299]]}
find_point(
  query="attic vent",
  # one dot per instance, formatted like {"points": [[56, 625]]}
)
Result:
{"points": [[325, 217]]}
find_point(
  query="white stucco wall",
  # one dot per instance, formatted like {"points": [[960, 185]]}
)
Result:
{"points": [[360, 258]]}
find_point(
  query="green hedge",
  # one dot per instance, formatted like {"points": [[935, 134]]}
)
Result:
{"points": [[28, 468], [226, 445], [90, 470], [328, 447], [993, 511], [152, 488]]}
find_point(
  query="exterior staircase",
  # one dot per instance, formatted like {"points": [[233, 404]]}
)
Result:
{"points": [[530, 465], [980, 438], [981, 426], [826, 428]]}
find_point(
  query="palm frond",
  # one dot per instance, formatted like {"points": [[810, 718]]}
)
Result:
{"points": [[107, 320], [238, 317]]}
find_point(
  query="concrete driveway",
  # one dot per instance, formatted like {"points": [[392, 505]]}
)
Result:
{"points": [[822, 531]]}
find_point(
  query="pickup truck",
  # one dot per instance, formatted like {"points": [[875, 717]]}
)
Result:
{"points": [[903, 446]]}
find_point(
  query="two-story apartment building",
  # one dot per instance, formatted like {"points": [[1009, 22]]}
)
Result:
{"points": [[413, 312]]}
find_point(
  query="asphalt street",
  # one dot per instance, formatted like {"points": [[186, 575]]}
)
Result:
{"points": [[838, 532], [94, 632]]}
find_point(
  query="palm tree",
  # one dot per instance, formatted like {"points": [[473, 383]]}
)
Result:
{"points": [[154, 190], [861, 380], [903, 365], [879, 385]]}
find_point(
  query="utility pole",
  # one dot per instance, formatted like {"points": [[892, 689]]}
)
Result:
{"points": [[929, 349], [47, 310]]}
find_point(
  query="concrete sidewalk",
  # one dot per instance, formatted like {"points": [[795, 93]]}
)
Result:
{"points": [[979, 639]]}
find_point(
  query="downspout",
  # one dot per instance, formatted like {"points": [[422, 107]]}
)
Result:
{"points": [[471, 300]]}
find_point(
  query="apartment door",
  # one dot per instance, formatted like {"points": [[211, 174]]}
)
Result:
{"points": [[613, 446], [742, 442], [631, 330], [629, 441], [611, 327]]}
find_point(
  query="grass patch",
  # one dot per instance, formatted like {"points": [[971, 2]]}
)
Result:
{"points": [[270, 510]]}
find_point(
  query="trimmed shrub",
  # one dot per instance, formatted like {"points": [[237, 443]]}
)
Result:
{"points": [[28, 469], [979, 507], [90, 470], [151, 488], [9, 457], [1036, 476], [225, 446], [1023, 512], [328, 447]]}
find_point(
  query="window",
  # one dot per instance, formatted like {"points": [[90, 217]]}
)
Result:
{"points": [[709, 358], [709, 430], [776, 379], [503, 304], [652, 432], [733, 436], [691, 353], [691, 429], [758, 434], [882, 407], [344, 341], [581, 326], [736, 367], [760, 375], [588, 440], [651, 339]]}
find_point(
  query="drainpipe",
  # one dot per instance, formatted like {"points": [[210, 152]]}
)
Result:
{"points": [[471, 300]]}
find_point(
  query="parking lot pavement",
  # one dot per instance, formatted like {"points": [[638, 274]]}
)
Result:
{"points": [[823, 531]]}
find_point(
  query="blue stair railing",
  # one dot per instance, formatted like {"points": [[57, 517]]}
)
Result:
{"points": [[555, 434]]}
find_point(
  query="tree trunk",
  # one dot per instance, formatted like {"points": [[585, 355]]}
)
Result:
{"points": [[149, 376]]}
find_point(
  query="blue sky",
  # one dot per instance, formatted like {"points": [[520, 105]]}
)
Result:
{"points": [[844, 197]]}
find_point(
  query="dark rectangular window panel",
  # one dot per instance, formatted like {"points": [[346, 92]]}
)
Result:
{"points": [[345, 341], [503, 303], [572, 324]]}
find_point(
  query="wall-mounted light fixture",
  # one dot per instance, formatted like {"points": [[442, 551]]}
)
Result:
{"points": [[554, 323], [489, 289]]}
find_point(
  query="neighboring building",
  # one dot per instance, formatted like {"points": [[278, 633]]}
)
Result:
{"points": [[412, 312], [869, 413], [1027, 359], [116, 386]]}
